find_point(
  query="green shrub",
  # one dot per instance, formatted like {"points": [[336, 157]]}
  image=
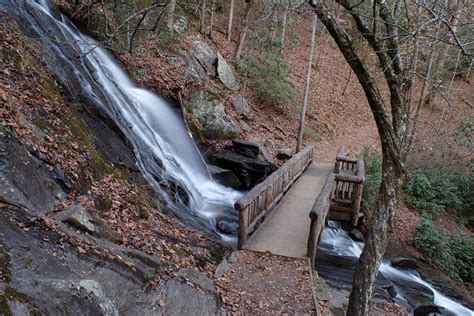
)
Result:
{"points": [[441, 191], [373, 178], [269, 74], [452, 253]]}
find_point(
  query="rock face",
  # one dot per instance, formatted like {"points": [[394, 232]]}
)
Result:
{"points": [[193, 67], [249, 162], [226, 74], [214, 123], [241, 105]]}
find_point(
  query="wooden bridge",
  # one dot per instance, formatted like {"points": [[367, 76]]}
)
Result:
{"points": [[286, 213]]}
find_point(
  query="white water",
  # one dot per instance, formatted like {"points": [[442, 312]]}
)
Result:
{"points": [[335, 240], [164, 149]]}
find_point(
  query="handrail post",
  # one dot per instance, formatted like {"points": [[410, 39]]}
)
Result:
{"points": [[243, 220], [312, 241]]}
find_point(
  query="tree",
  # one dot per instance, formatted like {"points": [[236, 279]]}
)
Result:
{"points": [[231, 20], [307, 82], [396, 118], [243, 30], [171, 10]]}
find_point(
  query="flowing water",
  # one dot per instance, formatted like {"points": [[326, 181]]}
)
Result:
{"points": [[336, 241], [165, 151]]}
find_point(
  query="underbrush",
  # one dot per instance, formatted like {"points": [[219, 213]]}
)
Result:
{"points": [[452, 252], [269, 74], [373, 178], [436, 192]]}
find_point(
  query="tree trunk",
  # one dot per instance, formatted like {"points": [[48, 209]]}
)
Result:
{"points": [[202, 24], [380, 223], [213, 7], [243, 31], [231, 20], [171, 9], [306, 85], [283, 27]]}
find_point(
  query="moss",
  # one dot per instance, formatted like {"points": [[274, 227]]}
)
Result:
{"points": [[143, 212], [179, 251], [5, 274], [217, 253]]}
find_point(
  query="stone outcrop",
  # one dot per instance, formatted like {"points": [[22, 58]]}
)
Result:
{"points": [[241, 105], [209, 111]]}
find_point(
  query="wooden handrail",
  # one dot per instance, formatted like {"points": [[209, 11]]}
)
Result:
{"points": [[263, 197], [318, 216]]}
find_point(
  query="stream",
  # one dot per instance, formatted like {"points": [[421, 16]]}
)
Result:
{"points": [[335, 241], [164, 149]]}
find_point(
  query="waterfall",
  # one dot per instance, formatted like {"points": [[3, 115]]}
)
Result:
{"points": [[164, 149], [336, 241]]}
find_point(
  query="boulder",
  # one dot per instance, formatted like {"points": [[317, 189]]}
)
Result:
{"points": [[404, 263], [197, 278], [285, 153], [226, 74], [214, 123], [205, 54], [247, 148], [226, 227], [356, 235], [180, 24], [221, 269], [241, 105], [193, 68], [428, 309]]}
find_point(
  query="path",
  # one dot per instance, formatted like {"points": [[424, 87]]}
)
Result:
{"points": [[285, 232]]}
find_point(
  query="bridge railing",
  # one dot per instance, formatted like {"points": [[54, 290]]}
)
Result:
{"points": [[348, 187], [263, 197], [318, 216]]}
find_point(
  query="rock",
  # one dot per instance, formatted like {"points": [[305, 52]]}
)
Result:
{"points": [[180, 23], [269, 144], [266, 156], [232, 257], [240, 161], [224, 176], [285, 153], [77, 216], [226, 74], [404, 263], [247, 148], [209, 111], [205, 54], [227, 227], [426, 310], [196, 278], [356, 235], [193, 67], [414, 293], [184, 299], [245, 126], [221, 269], [241, 105]]}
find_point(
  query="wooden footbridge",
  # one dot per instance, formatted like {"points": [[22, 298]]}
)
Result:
{"points": [[286, 213]]}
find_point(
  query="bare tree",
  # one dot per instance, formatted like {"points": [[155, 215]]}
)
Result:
{"points": [[213, 8], [171, 10], [243, 30], [202, 20], [307, 82], [231, 20]]}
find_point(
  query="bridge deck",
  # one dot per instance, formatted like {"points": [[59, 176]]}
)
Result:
{"points": [[285, 231]]}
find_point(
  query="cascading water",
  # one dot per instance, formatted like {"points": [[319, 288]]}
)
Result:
{"points": [[165, 151], [336, 241]]}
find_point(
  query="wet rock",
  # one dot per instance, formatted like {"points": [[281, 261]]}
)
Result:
{"points": [[285, 153], [226, 74], [224, 176], [246, 148], [227, 227], [426, 310], [214, 123], [221, 269], [415, 294], [404, 263], [241, 105], [205, 54], [356, 235]]}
